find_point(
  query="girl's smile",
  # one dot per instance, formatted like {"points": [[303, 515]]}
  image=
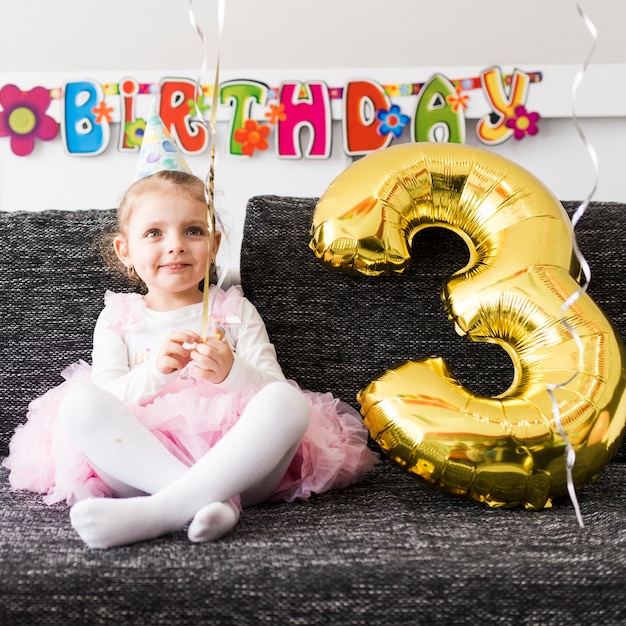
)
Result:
{"points": [[176, 266]]}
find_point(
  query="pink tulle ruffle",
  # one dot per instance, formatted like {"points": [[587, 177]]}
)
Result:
{"points": [[189, 421]]}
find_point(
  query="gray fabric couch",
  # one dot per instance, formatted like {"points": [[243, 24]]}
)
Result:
{"points": [[387, 550]]}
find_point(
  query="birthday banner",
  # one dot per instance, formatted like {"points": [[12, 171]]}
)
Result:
{"points": [[372, 114]]}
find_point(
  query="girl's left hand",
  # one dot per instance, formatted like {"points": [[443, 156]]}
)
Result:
{"points": [[212, 360]]}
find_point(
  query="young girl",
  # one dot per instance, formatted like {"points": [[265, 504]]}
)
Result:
{"points": [[175, 429]]}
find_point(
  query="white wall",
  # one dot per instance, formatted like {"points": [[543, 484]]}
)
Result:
{"points": [[332, 40], [85, 35]]}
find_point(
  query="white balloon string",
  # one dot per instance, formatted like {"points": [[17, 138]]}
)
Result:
{"points": [[570, 453], [210, 125]]}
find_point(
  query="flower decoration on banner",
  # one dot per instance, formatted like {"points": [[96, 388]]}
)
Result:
{"points": [[134, 132], [276, 113], [392, 120], [458, 100], [253, 136], [103, 113], [198, 105], [23, 118], [392, 90], [523, 123]]}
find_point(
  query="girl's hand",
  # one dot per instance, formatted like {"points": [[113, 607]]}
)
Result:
{"points": [[212, 360], [176, 351]]}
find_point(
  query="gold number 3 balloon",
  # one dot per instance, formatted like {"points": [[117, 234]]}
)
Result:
{"points": [[504, 450]]}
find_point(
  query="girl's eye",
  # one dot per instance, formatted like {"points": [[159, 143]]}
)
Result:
{"points": [[152, 233], [196, 230]]}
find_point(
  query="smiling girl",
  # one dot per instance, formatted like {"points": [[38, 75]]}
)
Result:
{"points": [[164, 429]]}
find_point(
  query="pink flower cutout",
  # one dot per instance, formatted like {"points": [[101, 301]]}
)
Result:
{"points": [[24, 118], [524, 123]]}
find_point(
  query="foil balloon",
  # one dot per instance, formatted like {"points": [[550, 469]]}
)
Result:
{"points": [[505, 450]]}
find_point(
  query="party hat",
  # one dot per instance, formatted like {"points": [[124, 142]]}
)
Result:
{"points": [[158, 150]]}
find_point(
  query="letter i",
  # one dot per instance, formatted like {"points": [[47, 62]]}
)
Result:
{"points": [[128, 140]]}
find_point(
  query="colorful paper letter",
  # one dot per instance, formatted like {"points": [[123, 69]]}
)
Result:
{"points": [[242, 94], [496, 132], [361, 100], [82, 136], [129, 88], [307, 105], [177, 111], [434, 118]]}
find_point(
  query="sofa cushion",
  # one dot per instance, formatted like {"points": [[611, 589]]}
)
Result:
{"points": [[388, 550]]}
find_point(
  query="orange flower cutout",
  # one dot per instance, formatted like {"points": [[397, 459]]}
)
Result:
{"points": [[253, 136], [276, 113], [103, 112], [458, 100]]}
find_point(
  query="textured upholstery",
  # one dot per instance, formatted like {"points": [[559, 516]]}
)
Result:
{"points": [[388, 550]]}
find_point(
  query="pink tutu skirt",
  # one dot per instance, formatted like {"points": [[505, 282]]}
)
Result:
{"points": [[188, 421]]}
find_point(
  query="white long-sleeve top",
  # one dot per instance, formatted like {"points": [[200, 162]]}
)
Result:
{"points": [[128, 337]]}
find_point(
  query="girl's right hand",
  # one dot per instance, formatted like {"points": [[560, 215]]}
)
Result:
{"points": [[175, 352]]}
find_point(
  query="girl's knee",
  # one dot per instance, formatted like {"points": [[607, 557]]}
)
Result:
{"points": [[290, 403], [81, 407]]}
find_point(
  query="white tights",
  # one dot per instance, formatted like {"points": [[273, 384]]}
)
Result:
{"points": [[249, 461]]}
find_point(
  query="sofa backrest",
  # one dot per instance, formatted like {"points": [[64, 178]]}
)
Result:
{"points": [[332, 332], [52, 282], [337, 332]]}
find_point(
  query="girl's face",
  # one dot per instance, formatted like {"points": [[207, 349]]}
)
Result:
{"points": [[167, 243]]}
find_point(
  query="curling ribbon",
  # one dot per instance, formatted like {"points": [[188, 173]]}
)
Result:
{"points": [[570, 453], [209, 182]]}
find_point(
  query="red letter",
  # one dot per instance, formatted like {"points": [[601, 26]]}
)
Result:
{"points": [[361, 100], [191, 135]]}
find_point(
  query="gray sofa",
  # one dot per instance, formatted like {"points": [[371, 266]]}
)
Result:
{"points": [[387, 550]]}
